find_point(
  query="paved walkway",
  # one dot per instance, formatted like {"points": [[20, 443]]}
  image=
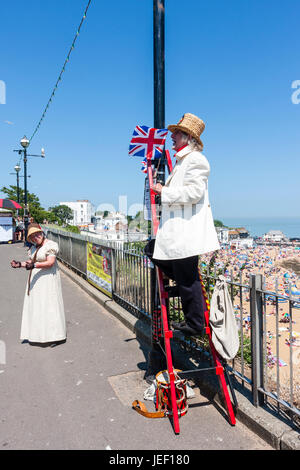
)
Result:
{"points": [[78, 395]]}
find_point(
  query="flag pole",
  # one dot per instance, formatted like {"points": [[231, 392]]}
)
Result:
{"points": [[159, 74], [156, 361]]}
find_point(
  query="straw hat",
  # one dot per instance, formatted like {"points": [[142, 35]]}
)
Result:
{"points": [[190, 124], [33, 228]]}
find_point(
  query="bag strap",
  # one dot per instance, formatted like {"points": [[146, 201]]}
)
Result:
{"points": [[30, 272], [140, 407]]}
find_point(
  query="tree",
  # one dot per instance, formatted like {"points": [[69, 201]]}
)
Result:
{"points": [[12, 193], [35, 209], [218, 223], [62, 213]]}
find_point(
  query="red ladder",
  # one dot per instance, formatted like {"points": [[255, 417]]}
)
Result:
{"points": [[168, 334]]}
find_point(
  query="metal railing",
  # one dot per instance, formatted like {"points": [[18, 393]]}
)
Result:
{"points": [[255, 366]]}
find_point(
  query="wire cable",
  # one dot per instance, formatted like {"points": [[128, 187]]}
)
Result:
{"points": [[62, 71]]}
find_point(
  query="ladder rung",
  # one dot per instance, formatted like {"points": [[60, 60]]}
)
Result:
{"points": [[194, 373]]}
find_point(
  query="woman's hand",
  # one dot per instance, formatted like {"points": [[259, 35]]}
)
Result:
{"points": [[29, 264], [15, 264], [18, 264], [157, 188]]}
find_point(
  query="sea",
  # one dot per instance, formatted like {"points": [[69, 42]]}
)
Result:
{"points": [[258, 226]]}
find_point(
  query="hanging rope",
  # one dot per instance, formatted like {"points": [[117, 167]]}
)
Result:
{"points": [[62, 71]]}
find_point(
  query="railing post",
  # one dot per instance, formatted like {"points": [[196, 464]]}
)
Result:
{"points": [[71, 250], [113, 270], [257, 353]]}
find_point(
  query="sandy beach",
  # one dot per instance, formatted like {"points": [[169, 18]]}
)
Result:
{"points": [[280, 267]]}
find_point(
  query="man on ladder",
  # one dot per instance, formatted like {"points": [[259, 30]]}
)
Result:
{"points": [[186, 227]]}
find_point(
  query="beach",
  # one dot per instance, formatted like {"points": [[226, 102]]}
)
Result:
{"points": [[280, 268]]}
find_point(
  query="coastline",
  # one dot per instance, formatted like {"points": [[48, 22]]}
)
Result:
{"points": [[258, 226]]}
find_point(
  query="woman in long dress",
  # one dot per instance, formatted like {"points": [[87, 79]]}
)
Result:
{"points": [[43, 318]]}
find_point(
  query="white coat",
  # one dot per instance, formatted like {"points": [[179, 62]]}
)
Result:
{"points": [[186, 225]]}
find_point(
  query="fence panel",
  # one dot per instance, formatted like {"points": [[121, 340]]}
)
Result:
{"points": [[79, 255], [132, 278]]}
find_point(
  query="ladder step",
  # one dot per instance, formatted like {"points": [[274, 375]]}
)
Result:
{"points": [[190, 374]]}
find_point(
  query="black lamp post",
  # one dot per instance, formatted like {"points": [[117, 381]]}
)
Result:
{"points": [[17, 170], [25, 143], [159, 75], [16, 173], [156, 359]]}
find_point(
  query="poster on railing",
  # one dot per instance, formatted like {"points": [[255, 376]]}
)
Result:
{"points": [[99, 267]]}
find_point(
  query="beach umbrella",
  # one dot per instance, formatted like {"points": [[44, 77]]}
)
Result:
{"points": [[9, 204]]}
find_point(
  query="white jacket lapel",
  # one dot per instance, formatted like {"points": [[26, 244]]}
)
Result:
{"points": [[182, 153]]}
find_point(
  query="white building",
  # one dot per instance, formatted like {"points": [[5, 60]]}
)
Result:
{"points": [[237, 237], [242, 243], [114, 227], [114, 221], [223, 234], [275, 236], [83, 211]]}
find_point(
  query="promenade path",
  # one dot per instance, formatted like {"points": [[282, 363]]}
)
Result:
{"points": [[78, 395]]}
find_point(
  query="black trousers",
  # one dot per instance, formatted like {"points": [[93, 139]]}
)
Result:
{"points": [[186, 275]]}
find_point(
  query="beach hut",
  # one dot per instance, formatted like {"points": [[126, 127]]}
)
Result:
{"points": [[6, 226]]}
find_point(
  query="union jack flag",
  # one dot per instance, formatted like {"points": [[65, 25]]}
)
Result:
{"points": [[147, 142], [144, 166]]}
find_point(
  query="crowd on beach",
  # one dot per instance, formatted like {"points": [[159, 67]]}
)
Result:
{"points": [[239, 264], [261, 259]]}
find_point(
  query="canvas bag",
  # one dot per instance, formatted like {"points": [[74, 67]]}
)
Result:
{"points": [[222, 320]]}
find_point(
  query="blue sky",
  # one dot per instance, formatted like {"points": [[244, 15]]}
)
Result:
{"points": [[231, 63]]}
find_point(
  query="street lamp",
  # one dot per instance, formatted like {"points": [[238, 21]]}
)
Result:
{"points": [[17, 170], [25, 143]]}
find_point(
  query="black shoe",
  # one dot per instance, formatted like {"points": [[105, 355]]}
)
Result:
{"points": [[188, 330]]}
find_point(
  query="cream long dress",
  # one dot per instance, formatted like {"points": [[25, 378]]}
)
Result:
{"points": [[43, 318]]}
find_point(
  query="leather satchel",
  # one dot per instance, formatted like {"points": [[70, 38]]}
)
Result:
{"points": [[30, 272]]}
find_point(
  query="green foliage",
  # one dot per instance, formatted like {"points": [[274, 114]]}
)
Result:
{"points": [[38, 214], [207, 271], [210, 274], [175, 310], [138, 246], [219, 223], [35, 209], [62, 213], [72, 228], [51, 217], [12, 193], [246, 350]]}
